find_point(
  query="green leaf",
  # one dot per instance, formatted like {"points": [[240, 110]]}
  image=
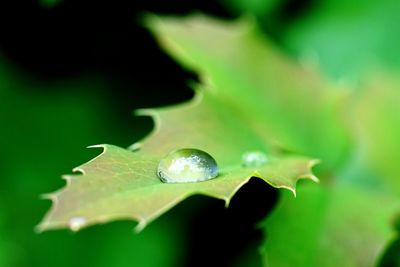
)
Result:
{"points": [[225, 123], [122, 184]]}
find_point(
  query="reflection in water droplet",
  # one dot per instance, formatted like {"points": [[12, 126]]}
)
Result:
{"points": [[76, 223], [254, 159], [187, 165]]}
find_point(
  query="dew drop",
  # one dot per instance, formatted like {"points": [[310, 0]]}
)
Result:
{"points": [[254, 159], [76, 223], [187, 165]]}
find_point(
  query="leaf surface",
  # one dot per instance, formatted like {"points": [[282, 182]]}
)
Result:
{"points": [[238, 111], [123, 184]]}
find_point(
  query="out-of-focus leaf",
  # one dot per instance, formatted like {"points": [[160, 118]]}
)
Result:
{"points": [[378, 120], [348, 37], [336, 225], [292, 103], [352, 217], [391, 258]]}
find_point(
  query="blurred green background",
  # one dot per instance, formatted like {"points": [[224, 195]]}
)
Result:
{"points": [[72, 72]]}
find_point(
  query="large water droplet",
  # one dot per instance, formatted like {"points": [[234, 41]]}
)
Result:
{"points": [[187, 165], [76, 223], [254, 159]]}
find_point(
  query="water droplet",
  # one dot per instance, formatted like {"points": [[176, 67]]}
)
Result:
{"points": [[254, 159], [76, 223], [187, 165]]}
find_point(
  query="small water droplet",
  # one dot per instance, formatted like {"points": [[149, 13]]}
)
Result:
{"points": [[254, 159], [76, 223], [187, 165]]}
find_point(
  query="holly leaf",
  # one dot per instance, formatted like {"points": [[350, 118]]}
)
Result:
{"points": [[247, 104], [123, 184]]}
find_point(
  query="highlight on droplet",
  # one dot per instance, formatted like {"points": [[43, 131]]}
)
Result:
{"points": [[187, 165]]}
